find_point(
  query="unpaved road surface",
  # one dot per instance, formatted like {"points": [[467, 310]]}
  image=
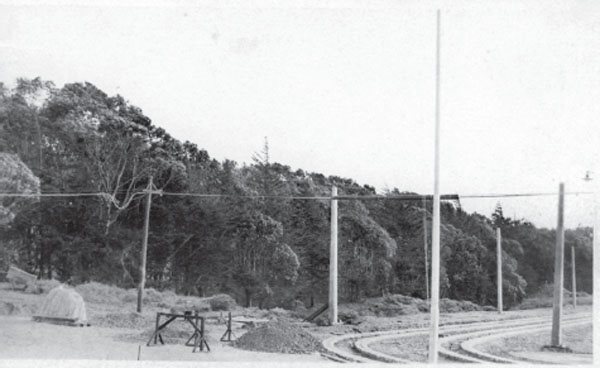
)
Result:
{"points": [[21, 338]]}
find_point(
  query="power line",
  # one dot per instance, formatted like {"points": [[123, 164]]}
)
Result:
{"points": [[406, 197], [507, 195], [65, 194]]}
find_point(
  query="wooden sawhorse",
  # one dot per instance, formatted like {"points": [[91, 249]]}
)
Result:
{"points": [[198, 336]]}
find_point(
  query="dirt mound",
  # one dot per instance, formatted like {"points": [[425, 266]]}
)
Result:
{"points": [[95, 292], [151, 295], [129, 320], [279, 337], [399, 305], [453, 306], [547, 302]]}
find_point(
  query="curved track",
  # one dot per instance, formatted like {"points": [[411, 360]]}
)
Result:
{"points": [[457, 342]]}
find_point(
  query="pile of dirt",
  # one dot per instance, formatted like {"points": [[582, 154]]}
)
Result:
{"points": [[399, 305], [548, 302], [388, 306], [151, 295], [130, 320], [219, 302], [186, 304], [453, 306], [95, 292], [279, 337]]}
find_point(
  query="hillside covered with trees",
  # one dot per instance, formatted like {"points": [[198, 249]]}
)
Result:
{"points": [[264, 251]]}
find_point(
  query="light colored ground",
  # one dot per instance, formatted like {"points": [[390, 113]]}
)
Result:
{"points": [[555, 358], [414, 348], [20, 338], [577, 338]]}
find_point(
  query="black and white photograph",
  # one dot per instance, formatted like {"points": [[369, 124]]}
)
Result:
{"points": [[299, 183]]}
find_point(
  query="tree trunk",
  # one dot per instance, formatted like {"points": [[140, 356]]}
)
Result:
{"points": [[49, 265], [248, 298]]}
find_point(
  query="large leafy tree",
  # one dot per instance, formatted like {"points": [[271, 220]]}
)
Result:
{"points": [[259, 258], [266, 250]]}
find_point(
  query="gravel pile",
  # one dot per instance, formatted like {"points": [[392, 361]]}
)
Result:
{"points": [[279, 337]]}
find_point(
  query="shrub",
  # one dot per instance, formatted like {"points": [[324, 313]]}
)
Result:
{"points": [[399, 299], [221, 302], [547, 302], [96, 292], [277, 313], [350, 317], [293, 304], [322, 321], [391, 310], [130, 320], [453, 306], [41, 286], [423, 306]]}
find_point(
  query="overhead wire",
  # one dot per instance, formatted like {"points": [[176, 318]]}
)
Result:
{"points": [[293, 197]]}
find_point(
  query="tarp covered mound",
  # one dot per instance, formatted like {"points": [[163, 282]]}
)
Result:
{"points": [[18, 277], [63, 303]]}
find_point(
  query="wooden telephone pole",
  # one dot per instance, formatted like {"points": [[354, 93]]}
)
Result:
{"points": [[425, 246], [559, 260], [144, 254], [573, 278], [499, 267], [596, 274], [435, 226], [333, 262]]}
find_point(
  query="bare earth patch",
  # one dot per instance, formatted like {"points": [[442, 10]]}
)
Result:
{"points": [[413, 348], [21, 338], [578, 338]]}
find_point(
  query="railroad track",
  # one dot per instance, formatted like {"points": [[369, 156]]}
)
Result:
{"points": [[458, 342]]}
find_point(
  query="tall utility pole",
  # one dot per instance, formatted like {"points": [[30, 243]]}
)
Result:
{"points": [[499, 267], [425, 246], [573, 278], [145, 246], [596, 268], [435, 226], [333, 262], [559, 260]]}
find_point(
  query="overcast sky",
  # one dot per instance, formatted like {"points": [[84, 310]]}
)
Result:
{"points": [[347, 87]]}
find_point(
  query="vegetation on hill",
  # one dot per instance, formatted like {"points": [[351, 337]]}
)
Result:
{"points": [[264, 251]]}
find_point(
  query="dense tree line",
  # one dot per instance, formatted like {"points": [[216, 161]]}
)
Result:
{"points": [[265, 251]]}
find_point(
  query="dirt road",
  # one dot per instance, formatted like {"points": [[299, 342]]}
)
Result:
{"points": [[21, 338]]}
